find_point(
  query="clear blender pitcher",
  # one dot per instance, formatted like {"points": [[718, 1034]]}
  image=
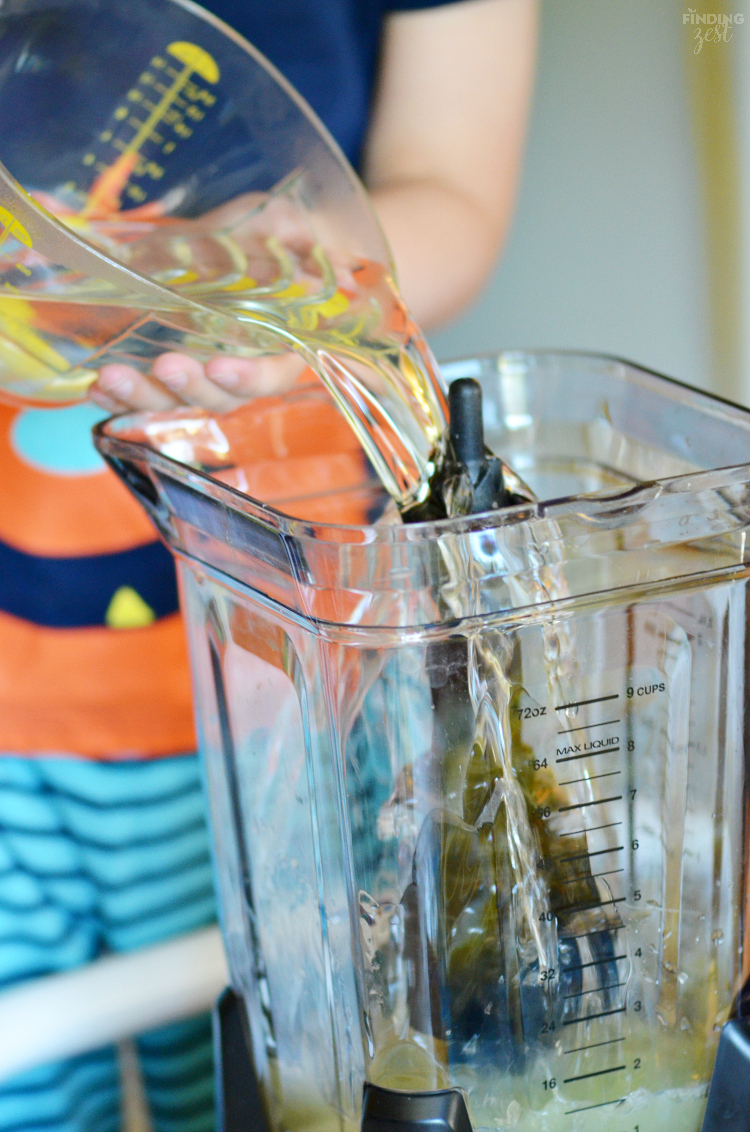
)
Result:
{"points": [[478, 787], [164, 188]]}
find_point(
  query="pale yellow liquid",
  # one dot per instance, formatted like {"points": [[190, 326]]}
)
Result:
{"points": [[504, 1101], [674, 1110]]}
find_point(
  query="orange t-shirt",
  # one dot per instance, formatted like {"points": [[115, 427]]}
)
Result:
{"points": [[92, 651]]}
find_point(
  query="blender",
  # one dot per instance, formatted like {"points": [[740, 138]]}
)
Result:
{"points": [[477, 785]]}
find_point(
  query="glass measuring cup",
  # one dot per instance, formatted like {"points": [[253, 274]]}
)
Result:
{"points": [[179, 195], [526, 896]]}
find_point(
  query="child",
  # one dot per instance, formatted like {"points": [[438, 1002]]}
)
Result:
{"points": [[103, 845]]}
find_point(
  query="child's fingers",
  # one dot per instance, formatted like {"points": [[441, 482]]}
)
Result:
{"points": [[104, 402], [126, 388], [177, 379], [185, 378], [255, 377]]}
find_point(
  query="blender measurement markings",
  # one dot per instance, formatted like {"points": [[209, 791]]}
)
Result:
{"points": [[591, 778], [593, 990], [599, 931], [587, 856], [588, 907], [599, 1073], [588, 726], [592, 829], [594, 1045], [604, 1104], [591, 1017], [584, 805], [583, 703], [588, 755], [595, 963], [598, 853], [592, 876]]}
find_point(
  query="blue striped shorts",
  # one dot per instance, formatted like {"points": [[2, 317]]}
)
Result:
{"points": [[98, 858]]}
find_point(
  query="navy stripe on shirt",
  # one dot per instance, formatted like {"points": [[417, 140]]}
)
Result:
{"points": [[71, 593]]}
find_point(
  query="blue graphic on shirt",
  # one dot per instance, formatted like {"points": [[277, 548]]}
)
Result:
{"points": [[59, 440]]}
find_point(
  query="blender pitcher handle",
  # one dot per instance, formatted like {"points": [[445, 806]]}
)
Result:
{"points": [[239, 1104], [728, 1105], [390, 1110]]}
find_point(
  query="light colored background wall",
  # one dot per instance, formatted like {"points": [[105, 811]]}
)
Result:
{"points": [[606, 251], [742, 76]]}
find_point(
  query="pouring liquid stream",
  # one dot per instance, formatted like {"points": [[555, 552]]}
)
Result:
{"points": [[491, 824]]}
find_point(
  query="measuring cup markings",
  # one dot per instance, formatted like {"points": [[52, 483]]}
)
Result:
{"points": [[13, 228], [113, 178]]}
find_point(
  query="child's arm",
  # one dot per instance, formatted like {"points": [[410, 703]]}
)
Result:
{"points": [[445, 144]]}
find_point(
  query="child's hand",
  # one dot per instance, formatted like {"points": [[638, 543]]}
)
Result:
{"points": [[259, 232], [222, 384]]}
